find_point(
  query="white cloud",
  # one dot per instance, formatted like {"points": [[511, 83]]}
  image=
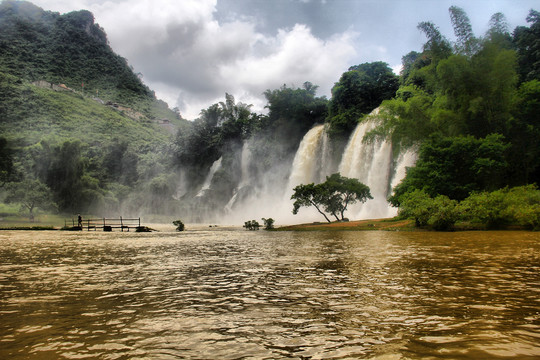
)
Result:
{"points": [[191, 55]]}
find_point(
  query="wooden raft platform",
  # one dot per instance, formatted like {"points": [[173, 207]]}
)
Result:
{"points": [[106, 224]]}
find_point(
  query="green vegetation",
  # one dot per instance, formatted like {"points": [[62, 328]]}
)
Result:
{"points": [[179, 225], [30, 194], [81, 133], [332, 196], [358, 92], [252, 225], [471, 108], [518, 206], [268, 223], [74, 118]]}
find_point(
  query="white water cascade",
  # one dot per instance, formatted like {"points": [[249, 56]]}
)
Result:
{"points": [[306, 167], [208, 180], [372, 163], [262, 194], [245, 159]]}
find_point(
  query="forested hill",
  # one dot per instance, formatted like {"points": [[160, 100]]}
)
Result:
{"points": [[73, 115], [66, 49]]}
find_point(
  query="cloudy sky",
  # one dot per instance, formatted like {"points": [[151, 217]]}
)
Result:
{"points": [[193, 51]]}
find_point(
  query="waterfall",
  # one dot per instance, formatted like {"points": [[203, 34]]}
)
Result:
{"points": [[208, 180], [307, 161], [267, 192], [405, 160], [372, 164], [245, 159]]}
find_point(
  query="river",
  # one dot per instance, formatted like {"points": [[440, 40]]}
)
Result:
{"points": [[222, 293]]}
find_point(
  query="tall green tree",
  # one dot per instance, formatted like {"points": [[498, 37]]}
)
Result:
{"points": [[466, 43], [74, 190], [359, 91], [6, 162], [528, 47], [456, 166], [342, 192]]}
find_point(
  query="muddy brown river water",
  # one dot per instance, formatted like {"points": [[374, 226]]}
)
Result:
{"points": [[223, 293]]}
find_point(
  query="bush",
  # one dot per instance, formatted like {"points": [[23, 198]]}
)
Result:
{"points": [[440, 213], [252, 225], [179, 225], [268, 223], [444, 213], [519, 205]]}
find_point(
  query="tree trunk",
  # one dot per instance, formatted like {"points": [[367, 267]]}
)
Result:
{"points": [[319, 210]]}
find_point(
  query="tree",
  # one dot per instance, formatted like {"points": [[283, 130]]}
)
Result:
{"points": [[31, 194], [268, 223], [65, 176], [309, 195], [528, 47], [358, 92], [179, 225], [456, 166], [440, 212], [252, 225], [333, 196], [466, 42], [344, 191], [292, 112]]}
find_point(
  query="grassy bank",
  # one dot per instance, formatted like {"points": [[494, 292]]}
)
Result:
{"points": [[388, 224], [391, 224]]}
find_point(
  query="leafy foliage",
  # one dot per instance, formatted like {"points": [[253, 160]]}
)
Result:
{"points": [[179, 225], [252, 225], [439, 213], [528, 47], [31, 194], [456, 166], [333, 196], [358, 92], [268, 223], [65, 49]]}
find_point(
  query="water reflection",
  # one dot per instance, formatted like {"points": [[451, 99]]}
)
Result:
{"points": [[234, 294]]}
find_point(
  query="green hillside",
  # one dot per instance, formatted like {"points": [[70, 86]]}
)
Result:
{"points": [[74, 116]]}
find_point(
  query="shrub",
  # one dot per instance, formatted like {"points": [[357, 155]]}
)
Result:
{"points": [[440, 213], [268, 223], [179, 225], [252, 225]]}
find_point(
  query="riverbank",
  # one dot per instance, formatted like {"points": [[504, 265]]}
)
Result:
{"points": [[389, 224]]}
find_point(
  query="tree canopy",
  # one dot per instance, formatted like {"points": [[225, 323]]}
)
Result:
{"points": [[332, 196], [358, 92]]}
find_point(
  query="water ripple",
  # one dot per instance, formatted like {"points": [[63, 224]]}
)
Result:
{"points": [[245, 295]]}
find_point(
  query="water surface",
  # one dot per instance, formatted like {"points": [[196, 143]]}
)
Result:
{"points": [[232, 294]]}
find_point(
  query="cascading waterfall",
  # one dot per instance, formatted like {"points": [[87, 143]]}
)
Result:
{"points": [[306, 167], [405, 160], [208, 180], [245, 159], [373, 163]]}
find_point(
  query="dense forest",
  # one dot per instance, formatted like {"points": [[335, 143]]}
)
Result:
{"points": [[470, 110]]}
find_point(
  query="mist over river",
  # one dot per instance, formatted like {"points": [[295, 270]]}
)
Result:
{"points": [[226, 293]]}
